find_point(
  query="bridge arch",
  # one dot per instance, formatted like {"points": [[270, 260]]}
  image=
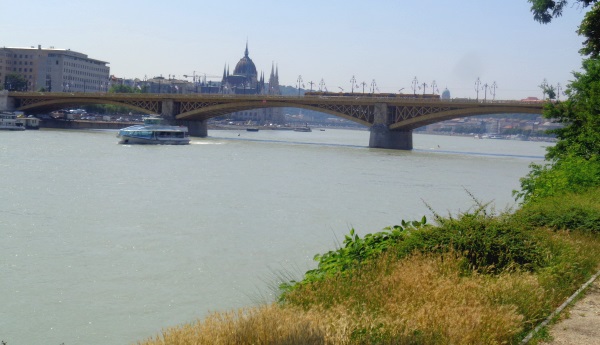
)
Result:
{"points": [[424, 120], [57, 104], [212, 111]]}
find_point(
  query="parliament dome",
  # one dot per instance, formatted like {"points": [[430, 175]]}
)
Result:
{"points": [[245, 66]]}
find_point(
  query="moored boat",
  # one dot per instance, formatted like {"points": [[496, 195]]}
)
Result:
{"points": [[305, 128], [8, 121], [153, 132]]}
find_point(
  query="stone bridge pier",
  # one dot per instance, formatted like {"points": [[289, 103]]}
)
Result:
{"points": [[6, 104], [195, 128], [382, 136]]}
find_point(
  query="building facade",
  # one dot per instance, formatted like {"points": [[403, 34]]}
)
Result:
{"points": [[245, 81], [54, 70]]}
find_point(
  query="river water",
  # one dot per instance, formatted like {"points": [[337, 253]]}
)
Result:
{"points": [[108, 244]]}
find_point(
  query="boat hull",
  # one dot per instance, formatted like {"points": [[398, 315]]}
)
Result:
{"points": [[154, 134], [12, 128], [124, 139]]}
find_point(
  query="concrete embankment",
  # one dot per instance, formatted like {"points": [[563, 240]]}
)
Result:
{"points": [[78, 124]]}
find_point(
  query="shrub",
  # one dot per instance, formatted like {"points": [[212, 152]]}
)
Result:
{"points": [[575, 212], [569, 174]]}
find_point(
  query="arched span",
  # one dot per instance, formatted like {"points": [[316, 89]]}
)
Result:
{"points": [[57, 104], [212, 111], [424, 120]]}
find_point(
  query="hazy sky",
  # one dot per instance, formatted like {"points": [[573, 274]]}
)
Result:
{"points": [[391, 42]]}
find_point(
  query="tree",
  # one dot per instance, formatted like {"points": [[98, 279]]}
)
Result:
{"points": [[580, 113], [119, 88], [574, 162], [545, 10], [15, 82]]}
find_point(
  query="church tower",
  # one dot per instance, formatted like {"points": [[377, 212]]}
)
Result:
{"points": [[274, 82]]}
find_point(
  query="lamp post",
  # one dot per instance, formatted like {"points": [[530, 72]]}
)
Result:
{"points": [[477, 87], [414, 86], [299, 84], [373, 86], [352, 83]]}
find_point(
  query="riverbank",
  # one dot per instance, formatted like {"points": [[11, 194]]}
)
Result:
{"points": [[474, 278]]}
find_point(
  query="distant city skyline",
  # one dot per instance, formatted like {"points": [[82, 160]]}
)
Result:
{"points": [[390, 43]]}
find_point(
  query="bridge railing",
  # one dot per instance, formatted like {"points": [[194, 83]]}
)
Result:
{"points": [[356, 97]]}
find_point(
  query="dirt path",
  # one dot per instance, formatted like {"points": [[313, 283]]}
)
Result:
{"points": [[582, 325]]}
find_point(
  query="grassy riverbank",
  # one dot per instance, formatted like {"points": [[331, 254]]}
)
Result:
{"points": [[469, 279]]}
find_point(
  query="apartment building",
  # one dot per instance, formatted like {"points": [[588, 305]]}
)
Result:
{"points": [[54, 70]]}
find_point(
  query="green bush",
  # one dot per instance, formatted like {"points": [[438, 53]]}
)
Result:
{"points": [[569, 174], [575, 212]]}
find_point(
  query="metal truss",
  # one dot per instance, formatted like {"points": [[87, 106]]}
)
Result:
{"points": [[152, 106], [185, 107], [402, 113], [29, 101], [361, 112]]}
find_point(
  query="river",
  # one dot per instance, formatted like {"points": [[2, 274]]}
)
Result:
{"points": [[108, 244]]}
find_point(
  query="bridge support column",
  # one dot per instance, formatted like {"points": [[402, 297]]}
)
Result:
{"points": [[6, 104], [383, 137], [195, 128]]}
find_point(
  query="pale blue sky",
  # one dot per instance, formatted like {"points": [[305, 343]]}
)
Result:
{"points": [[391, 42]]}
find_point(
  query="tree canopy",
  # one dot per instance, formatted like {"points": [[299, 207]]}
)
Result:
{"points": [[546, 10], [15, 82], [574, 162]]}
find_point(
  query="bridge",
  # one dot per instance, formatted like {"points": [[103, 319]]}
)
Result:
{"points": [[390, 119]]}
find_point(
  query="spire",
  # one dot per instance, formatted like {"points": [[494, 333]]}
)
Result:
{"points": [[272, 70], [224, 72], [246, 52]]}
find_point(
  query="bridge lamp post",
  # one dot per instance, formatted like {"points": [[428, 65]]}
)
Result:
{"points": [[299, 84], [493, 91], [414, 86], [477, 87], [434, 87], [352, 83], [485, 87], [373, 87]]}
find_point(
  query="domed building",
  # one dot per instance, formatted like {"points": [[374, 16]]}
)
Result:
{"points": [[446, 94], [244, 79]]}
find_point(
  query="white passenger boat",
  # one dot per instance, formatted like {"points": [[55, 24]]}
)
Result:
{"points": [[8, 121], [155, 133]]}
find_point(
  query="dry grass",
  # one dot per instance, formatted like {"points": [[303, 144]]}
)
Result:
{"points": [[421, 300]]}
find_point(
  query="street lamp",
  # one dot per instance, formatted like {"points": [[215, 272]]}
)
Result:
{"points": [[299, 84], [414, 86], [477, 87]]}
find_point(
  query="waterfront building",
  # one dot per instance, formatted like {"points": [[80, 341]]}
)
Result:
{"points": [[54, 70]]}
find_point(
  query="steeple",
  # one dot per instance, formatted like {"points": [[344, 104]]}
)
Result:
{"points": [[246, 52]]}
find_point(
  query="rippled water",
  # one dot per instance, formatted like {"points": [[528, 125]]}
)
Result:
{"points": [[107, 244]]}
